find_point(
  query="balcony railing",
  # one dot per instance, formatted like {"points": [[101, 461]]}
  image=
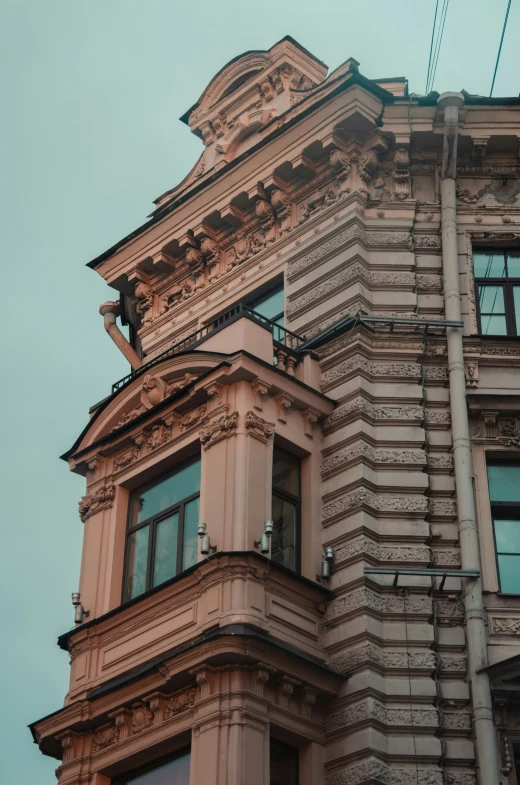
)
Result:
{"points": [[285, 343]]}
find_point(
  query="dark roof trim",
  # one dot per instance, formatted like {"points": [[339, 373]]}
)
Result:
{"points": [[142, 417], [234, 630], [63, 640], [159, 214]]}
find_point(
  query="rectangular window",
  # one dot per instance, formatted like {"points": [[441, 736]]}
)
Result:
{"points": [[504, 494], [162, 530], [497, 282], [286, 510], [283, 764], [175, 772]]}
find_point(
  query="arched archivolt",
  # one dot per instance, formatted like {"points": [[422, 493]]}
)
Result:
{"points": [[230, 77], [147, 391]]}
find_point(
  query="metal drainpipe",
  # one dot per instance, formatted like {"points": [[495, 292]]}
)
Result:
{"points": [[110, 311], [486, 747]]}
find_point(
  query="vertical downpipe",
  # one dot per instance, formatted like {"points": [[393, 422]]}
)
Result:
{"points": [[486, 747]]}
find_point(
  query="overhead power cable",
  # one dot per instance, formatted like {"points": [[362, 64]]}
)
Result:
{"points": [[437, 45], [500, 47], [431, 44]]}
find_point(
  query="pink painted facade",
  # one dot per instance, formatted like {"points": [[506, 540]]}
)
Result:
{"points": [[237, 667]]}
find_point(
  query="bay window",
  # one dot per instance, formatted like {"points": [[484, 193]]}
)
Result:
{"points": [[504, 494], [162, 530]]}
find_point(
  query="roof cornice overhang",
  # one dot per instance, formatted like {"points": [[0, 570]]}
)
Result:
{"points": [[276, 128]]}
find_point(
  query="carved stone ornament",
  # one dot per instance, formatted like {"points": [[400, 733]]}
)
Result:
{"points": [[104, 737], [191, 419], [465, 196], [219, 429], [211, 254], [101, 499], [141, 717], [260, 390], [244, 247], [506, 626], [509, 431], [401, 173], [144, 296], [258, 427], [153, 391]]}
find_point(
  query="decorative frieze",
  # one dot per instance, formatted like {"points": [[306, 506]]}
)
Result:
{"points": [[356, 232], [219, 429], [428, 241], [369, 547], [94, 502], [505, 625], [372, 655], [361, 407], [362, 449], [395, 279], [372, 710], [360, 364], [373, 770], [389, 505], [364, 598]]}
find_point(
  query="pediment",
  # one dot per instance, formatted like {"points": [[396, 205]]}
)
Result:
{"points": [[161, 383]]}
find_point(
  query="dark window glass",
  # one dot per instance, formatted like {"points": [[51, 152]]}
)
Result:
{"points": [[286, 510], [283, 764], [176, 772], [162, 530], [504, 494], [271, 305], [497, 282]]}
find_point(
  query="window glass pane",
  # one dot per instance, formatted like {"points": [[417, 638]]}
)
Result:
{"points": [[165, 557], [286, 472], [493, 325], [136, 563], [176, 772], [489, 265], [190, 547], [509, 570], [185, 482], [504, 482], [516, 300], [283, 538], [270, 305], [507, 536], [513, 264], [283, 764], [491, 299]]}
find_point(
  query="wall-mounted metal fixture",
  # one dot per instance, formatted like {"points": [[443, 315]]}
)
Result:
{"points": [[327, 561], [205, 543], [79, 610], [264, 543]]}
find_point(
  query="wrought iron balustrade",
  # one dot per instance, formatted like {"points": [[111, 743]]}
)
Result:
{"points": [[285, 343]]}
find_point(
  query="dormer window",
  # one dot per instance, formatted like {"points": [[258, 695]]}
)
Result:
{"points": [[162, 530]]}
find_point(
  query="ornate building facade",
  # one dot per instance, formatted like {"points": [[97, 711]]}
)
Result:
{"points": [[301, 556]]}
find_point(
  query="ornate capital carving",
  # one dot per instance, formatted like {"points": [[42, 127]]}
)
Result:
{"points": [[219, 429], [92, 503], [258, 427]]}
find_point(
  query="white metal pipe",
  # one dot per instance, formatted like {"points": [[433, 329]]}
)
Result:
{"points": [[485, 737], [110, 311]]}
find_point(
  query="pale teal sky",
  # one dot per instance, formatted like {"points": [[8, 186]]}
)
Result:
{"points": [[90, 95]]}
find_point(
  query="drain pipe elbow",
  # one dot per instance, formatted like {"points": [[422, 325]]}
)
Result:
{"points": [[110, 311]]}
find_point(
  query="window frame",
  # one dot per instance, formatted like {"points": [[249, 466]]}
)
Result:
{"points": [[126, 779], [507, 284], [297, 502], [153, 521], [508, 510]]}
